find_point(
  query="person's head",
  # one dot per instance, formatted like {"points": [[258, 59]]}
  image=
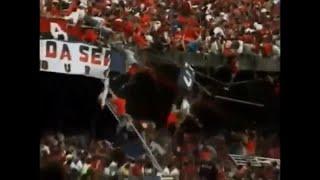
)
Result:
{"points": [[235, 45], [55, 3], [274, 164]]}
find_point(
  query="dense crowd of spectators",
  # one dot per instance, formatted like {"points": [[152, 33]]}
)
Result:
{"points": [[185, 154], [228, 27]]}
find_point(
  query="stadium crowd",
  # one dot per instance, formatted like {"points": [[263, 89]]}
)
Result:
{"points": [[223, 27], [227, 27], [185, 154]]}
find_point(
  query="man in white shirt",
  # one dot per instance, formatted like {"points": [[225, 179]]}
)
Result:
{"points": [[276, 50], [113, 168], [77, 165], [44, 149], [175, 173], [215, 47], [240, 48], [185, 106], [165, 172], [218, 31], [76, 15]]}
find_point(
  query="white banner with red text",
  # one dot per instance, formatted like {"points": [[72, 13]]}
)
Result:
{"points": [[74, 58]]}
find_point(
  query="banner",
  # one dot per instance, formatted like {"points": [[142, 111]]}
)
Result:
{"points": [[74, 58]]}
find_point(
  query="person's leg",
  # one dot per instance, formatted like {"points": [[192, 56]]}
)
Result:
{"points": [[121, 125]]}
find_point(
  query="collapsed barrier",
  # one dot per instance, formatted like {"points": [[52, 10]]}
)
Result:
{"points": [[153, 159], [145, 145], [247, 61]]}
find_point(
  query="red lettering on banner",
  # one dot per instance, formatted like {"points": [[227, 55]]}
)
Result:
{"points": [[95, 54], [51, 49], [65, 52], [84, 57], [51, 54]]}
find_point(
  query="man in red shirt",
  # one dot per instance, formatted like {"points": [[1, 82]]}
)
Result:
{"points": [[172, 119], [145, 20], [228, 51], [139, 39], [133, 69], [251, 144], [191, 34], [127, 28], [266, 49], [90, 36], [119, 105]]}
